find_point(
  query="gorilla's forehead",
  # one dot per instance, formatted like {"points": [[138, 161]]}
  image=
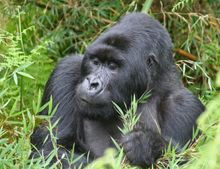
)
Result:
{"points": [[104, 52]]}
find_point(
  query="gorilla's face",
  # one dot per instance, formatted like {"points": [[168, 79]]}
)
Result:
{"points": [[103, 70], [100, 68], [109, 75]]}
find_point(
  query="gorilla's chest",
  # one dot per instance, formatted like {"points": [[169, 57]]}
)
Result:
{"points": [[98, 136]]}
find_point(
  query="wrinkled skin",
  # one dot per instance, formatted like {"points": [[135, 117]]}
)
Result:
{"points": [[133, 56]]}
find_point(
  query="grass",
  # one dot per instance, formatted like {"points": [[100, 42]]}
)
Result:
{"points": [[129, 117], [35, 34]]}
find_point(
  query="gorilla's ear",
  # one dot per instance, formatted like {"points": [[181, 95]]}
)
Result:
{"points": [[151, 60]]}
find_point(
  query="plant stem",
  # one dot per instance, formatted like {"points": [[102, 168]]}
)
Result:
{"points": [[146, 6], [22, 46]]}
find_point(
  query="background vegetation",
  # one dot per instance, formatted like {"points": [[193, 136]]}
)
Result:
{"points": [[35, 34]]}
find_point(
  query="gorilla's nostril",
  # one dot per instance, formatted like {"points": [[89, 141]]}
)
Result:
{"points": [[94, 85]]}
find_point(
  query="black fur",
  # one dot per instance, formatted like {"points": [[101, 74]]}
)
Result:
{"points": [[133, 56]]}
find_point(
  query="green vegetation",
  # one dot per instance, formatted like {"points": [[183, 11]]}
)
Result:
{"points": [[129, 116], [35, 34]]}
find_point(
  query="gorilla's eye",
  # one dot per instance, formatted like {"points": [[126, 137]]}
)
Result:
{"points": [[112, 65], [149, 62], [95, 61]]}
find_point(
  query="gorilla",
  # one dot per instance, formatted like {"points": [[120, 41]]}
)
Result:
{"points": [[133, 56]]}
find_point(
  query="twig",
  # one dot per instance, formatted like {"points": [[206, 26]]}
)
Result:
{"points": [[185, 54]]}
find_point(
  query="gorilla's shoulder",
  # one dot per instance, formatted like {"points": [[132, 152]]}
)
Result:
{"points": [[70, 63], [66, 71]]}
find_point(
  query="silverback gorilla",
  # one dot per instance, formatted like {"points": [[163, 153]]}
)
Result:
{"points": [[131, 57]]}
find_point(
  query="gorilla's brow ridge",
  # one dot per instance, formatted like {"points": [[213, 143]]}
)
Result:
{"points": [[107, 53]]}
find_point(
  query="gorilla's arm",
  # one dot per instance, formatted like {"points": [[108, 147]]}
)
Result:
{"points": [[61, 86], [165, 120], [179, 113], [144, 144]]}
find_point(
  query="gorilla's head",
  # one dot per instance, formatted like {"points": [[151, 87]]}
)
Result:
{"points": [[125, 60]]}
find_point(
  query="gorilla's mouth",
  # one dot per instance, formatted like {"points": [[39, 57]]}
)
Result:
{"points": [[91, 102], [84, 100], [93, 109]]}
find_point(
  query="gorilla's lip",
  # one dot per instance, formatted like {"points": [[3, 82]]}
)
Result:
{"points": [[90, 102], [85, 100]]}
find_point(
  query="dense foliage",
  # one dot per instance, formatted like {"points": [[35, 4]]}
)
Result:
{"points": [[35, 34]]}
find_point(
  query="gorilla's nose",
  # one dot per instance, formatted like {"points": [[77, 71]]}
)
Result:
{"points": [[95, 85]]}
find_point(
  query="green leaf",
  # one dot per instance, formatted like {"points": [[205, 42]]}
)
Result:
{"points": [[15, 77], [25, 75], [3, 92], [116, 144], [24, 66]]}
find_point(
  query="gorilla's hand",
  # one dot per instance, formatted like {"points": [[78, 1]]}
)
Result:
{"points": [[142, 146]]}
